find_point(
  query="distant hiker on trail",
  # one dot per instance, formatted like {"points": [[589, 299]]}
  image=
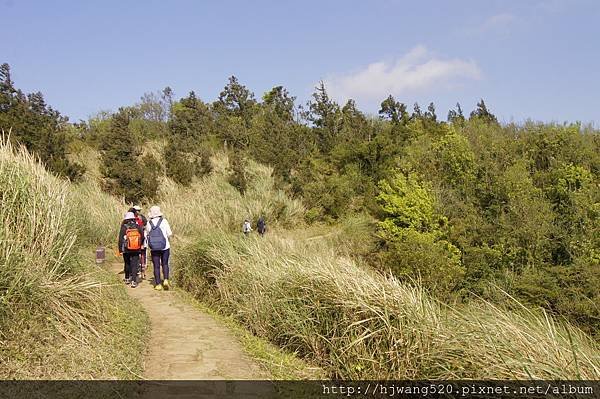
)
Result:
{"points": [[261, 226], [131, 241], [246, 228], [120, 253], [158, 232], [141, 221]]}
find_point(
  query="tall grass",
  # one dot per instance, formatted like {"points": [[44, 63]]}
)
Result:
{"points": [[358, 324], [55, 312], [38, 231], [301, 289], [99, 213], [212, 203]]}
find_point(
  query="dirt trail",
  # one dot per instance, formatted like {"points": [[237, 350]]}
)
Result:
{"points": [[186, 344]]}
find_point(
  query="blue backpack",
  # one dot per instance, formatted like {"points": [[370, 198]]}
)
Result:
{"points": [[156, 238]]}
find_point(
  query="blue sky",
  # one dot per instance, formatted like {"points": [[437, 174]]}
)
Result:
{"points": [[537, 59]]}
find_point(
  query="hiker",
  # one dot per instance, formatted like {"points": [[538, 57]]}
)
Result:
{"points": [[261, 226], [131, 241], [139, 217], [125, 262], [158, 232], [246, 228], [141, 221]]}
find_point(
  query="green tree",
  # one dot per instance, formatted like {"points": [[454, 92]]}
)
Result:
{"points": [[190, 130], [482, 113], [279, 102], [413, 233], [234, 111], [191, 120], [417, 113], [430, 113], [326, 192], [396, 113], [275, 138], [125, 172], [236, 100], [525, 225], [576, 200], [37, 126], [325, 114], [456, 160], [393, 110], [456, 116]]}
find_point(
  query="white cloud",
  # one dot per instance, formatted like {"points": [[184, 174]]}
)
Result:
{"points": [[417, 71], [498, 22]]}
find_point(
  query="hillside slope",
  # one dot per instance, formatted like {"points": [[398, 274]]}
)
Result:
{"points": [[302, 294], [61, 317], [299, 288]]}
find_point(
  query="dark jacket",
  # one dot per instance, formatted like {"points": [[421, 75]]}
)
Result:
{"points": [[144, 219], [139, 215], [127, 225], [261, 225]]}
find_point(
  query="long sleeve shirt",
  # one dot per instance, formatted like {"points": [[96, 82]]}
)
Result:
{"points": [[164, 227]]}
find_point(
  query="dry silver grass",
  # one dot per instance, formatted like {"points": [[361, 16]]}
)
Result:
{"points": [[209, 201], [38, 233], [212, 202], [296, 290], [358, 324], [50, 301], [99, 214]]}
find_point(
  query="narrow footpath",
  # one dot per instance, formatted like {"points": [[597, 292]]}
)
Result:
{"points": [[186, 344]]}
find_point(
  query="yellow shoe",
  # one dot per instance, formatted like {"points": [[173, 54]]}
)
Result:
{"points": [[158, 287], [166, 284]]}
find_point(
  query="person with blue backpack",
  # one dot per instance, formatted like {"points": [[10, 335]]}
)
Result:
{"points": [[158, 232]]}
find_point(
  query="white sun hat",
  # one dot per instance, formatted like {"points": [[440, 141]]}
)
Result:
{"points": [[154, 212], [129, 215]]}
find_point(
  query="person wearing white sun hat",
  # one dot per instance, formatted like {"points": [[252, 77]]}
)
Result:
{"points": [[158, 232]]}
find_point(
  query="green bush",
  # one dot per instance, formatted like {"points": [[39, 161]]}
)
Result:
{"points": [[414, 238], [238, 176]]}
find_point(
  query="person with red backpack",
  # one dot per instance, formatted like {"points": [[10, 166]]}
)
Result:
{"points": [[131, 242]]}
